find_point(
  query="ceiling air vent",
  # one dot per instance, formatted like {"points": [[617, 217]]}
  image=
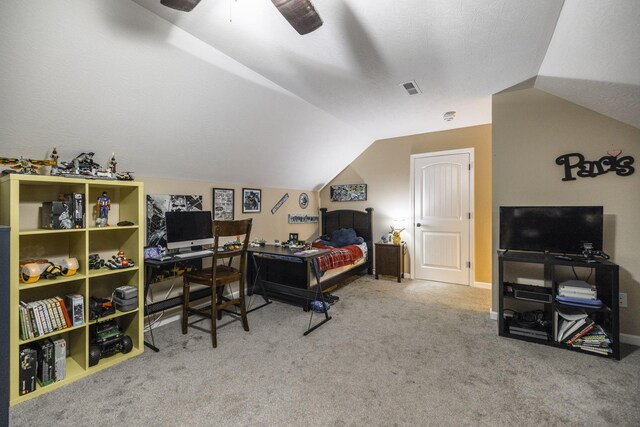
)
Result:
{"points": [[412, 88]]}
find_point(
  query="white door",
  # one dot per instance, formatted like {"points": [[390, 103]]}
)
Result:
{"points": [[442, 224]]}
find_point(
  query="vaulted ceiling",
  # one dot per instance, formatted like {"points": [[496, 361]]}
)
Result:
{"points": [[231, 93]]}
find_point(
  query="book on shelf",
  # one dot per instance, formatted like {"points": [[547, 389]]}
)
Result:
{"points": [[584, 329], [63, 311], [599, 350], [42, 317], [596, 338], [566, 319]]}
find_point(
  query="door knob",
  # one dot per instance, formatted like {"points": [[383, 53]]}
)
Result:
{"points": [[418, 225]]}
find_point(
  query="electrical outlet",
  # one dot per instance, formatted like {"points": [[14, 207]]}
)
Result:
{"points": [[623, 299]]}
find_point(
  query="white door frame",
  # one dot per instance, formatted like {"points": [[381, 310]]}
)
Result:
{"points": [[472, 190]]}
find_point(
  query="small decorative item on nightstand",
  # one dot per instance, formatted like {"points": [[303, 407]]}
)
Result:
{"points": [[389, 259]]}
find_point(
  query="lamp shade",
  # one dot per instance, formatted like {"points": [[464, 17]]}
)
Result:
{"points": [[183, 5]]}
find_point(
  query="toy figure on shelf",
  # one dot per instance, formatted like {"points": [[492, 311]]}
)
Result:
{"points": [[103, 207], [395, 235], [33, 270], [24, 166], [112, 164], [82, 165], [119, 261], [54, 159]]}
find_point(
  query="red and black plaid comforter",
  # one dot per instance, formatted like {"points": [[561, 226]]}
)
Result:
{"points": [[338, 257]]}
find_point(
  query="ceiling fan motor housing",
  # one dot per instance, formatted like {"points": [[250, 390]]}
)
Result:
{"points": [[300, 13]]}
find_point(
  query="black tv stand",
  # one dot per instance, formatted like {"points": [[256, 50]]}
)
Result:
{"points": [[552, 270]]}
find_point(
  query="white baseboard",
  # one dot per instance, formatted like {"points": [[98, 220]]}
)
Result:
{"points": [[493, 315], [164, 320], [482, 285], [630, 339]]}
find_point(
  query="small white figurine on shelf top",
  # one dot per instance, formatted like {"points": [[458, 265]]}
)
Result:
{"points": [[112, 164]]}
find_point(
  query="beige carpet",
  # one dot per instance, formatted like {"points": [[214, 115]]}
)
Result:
{"points": [[415, 353]]}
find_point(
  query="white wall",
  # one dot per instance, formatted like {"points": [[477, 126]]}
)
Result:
{"points": [[110, 76]]}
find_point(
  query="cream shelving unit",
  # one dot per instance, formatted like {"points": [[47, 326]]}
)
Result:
{"points": [[21, 198]]}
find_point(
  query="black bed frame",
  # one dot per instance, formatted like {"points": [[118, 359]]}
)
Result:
{"points": [[360, 221], [281, 272]]}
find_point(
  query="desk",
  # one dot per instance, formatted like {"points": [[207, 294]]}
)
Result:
{"points": [[265, 260], [152, 267]]}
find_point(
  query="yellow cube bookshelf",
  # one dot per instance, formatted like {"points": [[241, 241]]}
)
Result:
{"points": [[21, 198]]}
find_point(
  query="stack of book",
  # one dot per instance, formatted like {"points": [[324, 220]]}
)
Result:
{"points": [[578, 293], [570, 322], [43, 317], [595, 341], [576, 329]]}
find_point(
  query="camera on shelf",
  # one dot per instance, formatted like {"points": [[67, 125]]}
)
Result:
{"points": [[107, 339]]}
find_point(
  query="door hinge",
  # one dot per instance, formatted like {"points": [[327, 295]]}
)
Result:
{"points": [[468, 264], [469, 166], [469, 215]]}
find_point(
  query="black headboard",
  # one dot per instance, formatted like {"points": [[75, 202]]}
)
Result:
{"points": [[360, 221]]}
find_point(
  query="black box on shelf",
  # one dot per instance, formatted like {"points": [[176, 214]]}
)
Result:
{"points": [[46, 370], [27, 364], [75, 308], [78, 213], [60, 357], [57, 215]]}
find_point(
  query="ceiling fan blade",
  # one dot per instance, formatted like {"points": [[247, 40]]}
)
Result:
{"points": [[300, 13], [183, 5]]}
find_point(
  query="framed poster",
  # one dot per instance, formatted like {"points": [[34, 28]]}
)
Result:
{"points": [[157, 205], [251, 200], [348, 193], [223, 204]]}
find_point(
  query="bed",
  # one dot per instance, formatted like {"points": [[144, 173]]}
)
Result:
{"points": [[300, 276]]}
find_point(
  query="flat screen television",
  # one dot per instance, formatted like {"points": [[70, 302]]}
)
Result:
{"points": [[555, 229], [189, 228]]}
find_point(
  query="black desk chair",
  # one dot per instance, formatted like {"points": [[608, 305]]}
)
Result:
{"points": [[220, 275]]}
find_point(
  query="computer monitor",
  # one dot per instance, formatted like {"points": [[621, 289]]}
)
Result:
{"points": [[186, 229]]}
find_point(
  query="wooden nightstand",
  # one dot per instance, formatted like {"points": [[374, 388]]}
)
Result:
{"points": [[390, 259]]}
